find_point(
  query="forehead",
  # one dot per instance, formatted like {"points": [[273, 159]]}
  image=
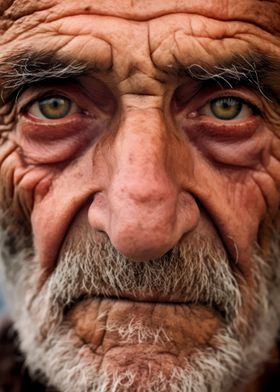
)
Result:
{"points": [[250, 10], [127, 31]]}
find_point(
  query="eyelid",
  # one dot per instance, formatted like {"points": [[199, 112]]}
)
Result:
{"points": [[90, 94], [25, 103], [205, 94], [244, 95], [68, 89], [36, 112], [247, 110]]}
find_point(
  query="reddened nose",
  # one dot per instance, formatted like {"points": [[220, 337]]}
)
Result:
{"points": [[144, 211]]}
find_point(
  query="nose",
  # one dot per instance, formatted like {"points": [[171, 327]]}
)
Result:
{"points": [[145, 210]]}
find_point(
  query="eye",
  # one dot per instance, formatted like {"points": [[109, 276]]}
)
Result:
{"points": [[227, 108], [53, 107]]}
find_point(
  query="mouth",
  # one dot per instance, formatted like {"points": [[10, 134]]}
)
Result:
{"points": [[148, 300], [183, 277], [121, 328]]}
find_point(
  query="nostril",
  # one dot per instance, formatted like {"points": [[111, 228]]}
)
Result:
{"points": [[169, 254], [143, 224], [98, 212], [142, 255]]}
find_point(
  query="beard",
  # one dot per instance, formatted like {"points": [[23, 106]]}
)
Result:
{"points": [[196, 272]]}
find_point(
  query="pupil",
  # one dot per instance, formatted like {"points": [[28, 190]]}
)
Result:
{"points": [[55, 103], [226, 108]]}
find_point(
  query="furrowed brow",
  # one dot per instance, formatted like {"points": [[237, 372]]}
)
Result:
{"points": [[27, 68], [256, 70]]}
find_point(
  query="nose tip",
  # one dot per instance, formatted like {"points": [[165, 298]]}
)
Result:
{"points": [[141, 244], [144, 225]]}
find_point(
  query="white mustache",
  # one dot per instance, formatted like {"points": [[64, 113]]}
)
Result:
{"points": [[195, 272]]}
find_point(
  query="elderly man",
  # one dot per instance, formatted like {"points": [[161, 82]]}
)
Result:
{"points": [[140, 174]]}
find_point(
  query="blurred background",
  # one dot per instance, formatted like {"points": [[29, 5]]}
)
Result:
{"points": [[2, 304]]}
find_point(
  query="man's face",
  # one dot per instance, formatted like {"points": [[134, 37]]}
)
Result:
{"points": [[139, 165]]}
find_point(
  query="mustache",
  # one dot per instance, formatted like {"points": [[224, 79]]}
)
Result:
{"points": [[196, 272]]}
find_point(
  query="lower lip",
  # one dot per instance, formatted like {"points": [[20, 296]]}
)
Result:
{"points": [[96, 321]]}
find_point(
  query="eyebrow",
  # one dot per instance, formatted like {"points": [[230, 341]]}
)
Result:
{"points": [[28, 68], [255, 70]]}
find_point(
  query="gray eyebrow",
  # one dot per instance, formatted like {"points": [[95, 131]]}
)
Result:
{"points": [[256, 70], [24, 69]]}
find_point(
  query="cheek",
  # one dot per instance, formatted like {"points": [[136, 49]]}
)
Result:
{"points": [[21, 185], [58, 200], [246, 208], [11, 197], [239, 210], [235, 206]]}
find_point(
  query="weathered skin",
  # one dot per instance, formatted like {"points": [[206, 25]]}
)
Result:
{"points": [[136, 167]]}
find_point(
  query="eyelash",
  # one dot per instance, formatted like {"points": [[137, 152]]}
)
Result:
{"points": [[254, 106], [26, 106], [245, 102], [233, 99]]}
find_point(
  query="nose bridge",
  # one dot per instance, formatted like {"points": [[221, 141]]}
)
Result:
{"points": [[142, 153]]}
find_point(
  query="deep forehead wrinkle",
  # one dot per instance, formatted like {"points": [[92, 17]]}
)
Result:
{"points": [[265, 14], [256, 70]]}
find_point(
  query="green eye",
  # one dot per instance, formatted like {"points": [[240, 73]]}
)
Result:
{"points": [[54, 108], [226, 108]]}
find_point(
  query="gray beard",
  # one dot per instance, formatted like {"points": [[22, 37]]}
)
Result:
{"points": [[54, 352]]}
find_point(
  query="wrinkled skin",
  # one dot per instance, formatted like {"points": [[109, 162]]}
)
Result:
{"points": [[136, 164]]}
